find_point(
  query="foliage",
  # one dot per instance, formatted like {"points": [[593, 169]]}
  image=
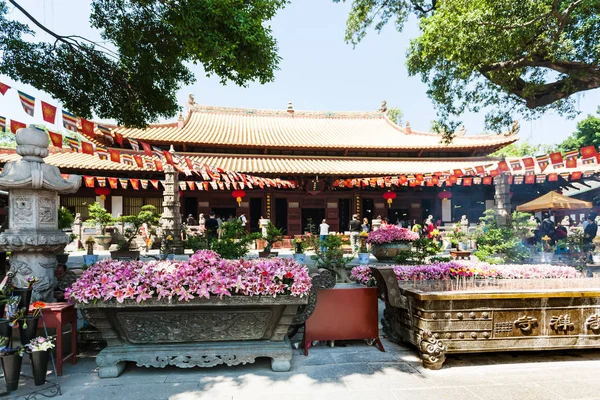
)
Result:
{"points": [[65, 218], [420, 251], [133, 75], [7, 351], [587, 134], [196, 243], [272, 236], [299, 245], [362, 237], [99, 215], [508, 56], [235, 240], [329, 255], [310, 227], [457, 235], [148, 215], [499, 244], [576, 242], [395, 115], [206, 274], [521, 149], [8, 139]]}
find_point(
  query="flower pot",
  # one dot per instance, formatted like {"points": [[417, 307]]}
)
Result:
{"points": [[25, 295], [29, 332], [299, 257], [462, 246], [11, 365], [62, 258], [363, 258], [103, 241], [89, 259], [39, 366], [387, 251], [167, 256]]}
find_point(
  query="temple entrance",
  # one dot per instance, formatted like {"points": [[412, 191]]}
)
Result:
{"points": [[368, 209], [281, 215], [399, 215], [255, 213], [344, 214], [191, 207], [316, 215]]}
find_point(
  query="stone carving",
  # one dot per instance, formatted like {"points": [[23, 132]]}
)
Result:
{"points": [[383, 108], [193, 326], [593, 322], [33, 236], [432, 351], [526, 324], [561, 323], [170, 221]]}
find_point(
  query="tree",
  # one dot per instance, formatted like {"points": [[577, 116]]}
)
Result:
{"points": [[134, 75], [511, 56], [395, 115], [587, 134], [523, 149]]}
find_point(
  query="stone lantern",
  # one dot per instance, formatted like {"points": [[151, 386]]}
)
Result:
{"points": [[33, 237]]}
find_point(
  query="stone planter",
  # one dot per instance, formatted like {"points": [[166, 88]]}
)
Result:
{"points": [[490, 316], [299, 257], [387, 251], [203, 332], [363, 258], [103, 241]]}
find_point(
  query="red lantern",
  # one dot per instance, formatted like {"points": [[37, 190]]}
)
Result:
{"points": [[444, 195], [389, 196], [102, 192], [238, 194]]}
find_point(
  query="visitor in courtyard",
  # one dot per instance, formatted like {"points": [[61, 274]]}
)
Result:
{"points": [[590, 231], [212, 226], [354, 227], [560, 232], [243, 219], [428, 226], [191, 221], [202, 223], [365, 225], [323, 234], [548, 228], [64, 279]]}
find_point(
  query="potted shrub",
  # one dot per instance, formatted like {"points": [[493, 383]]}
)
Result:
{"points": [[133, 224], [387, 241], [330, 256], [65, 221], [90, 258], [101, 217], [192, 312], [299, 246], [235, 241], [363, 252], [11, 359], [272, 236], [39, 352]]}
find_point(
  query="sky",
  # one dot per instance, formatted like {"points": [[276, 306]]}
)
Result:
{"points": [[319, 71]]}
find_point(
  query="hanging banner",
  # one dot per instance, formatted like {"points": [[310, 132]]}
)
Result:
{"points": [[557, 160], [102, 152], [56, 139], [3, 88], [87, 148], [73, 144], [135, 183], [89, 181], [69, 121], [588, 152], [158, 165], [542, 162], [144, 183], [106, 133], [123, 182], [115, 155], [118, 138], [571, 158], [134, 144], [101, 181], [139, 161], [113, 183], [154, 183], [28, 102], [48, 112], [87, 128], [182, 185], [147, 149], [168, 157], [191, 185], [16, 125]]}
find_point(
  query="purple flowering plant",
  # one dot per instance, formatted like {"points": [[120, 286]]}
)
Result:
{"points": [[390, 234], [204, 275]]}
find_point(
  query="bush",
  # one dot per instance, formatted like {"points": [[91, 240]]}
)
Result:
{"points": [[497, 244], [234, 240], [65, 218], [329, 255]]}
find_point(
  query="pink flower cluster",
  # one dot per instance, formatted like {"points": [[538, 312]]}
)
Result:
{"points": [[391, 233], [456, 269], [205, 274]]}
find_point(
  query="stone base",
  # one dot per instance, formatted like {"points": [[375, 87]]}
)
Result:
{"points": [[111, 360]]}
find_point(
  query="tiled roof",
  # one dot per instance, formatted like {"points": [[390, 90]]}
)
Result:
{"points": [[275, 165], [219, 126]]}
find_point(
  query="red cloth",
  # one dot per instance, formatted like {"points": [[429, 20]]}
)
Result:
{"points": [[430, 228]]}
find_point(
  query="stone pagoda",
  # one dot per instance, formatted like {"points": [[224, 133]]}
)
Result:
{"points": [[33, 237], [170, 221]]}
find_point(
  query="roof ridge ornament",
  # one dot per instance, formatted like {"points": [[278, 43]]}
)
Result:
{"points": [[461, 131], [407, 127], [191, 102], [290, 107], [514, 129], [383, 108]]}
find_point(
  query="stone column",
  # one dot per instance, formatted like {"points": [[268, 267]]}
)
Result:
{"points": [[33, 237], [502, 198], [170, 220]]}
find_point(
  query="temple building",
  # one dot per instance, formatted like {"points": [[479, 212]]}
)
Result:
{"points": [[342, 162]]}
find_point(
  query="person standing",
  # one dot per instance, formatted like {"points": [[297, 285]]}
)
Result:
{"points": [[590, 231], [243, 219], [323, 234], [191, 221], [354, 227], [548, 228], [202, 223], [365, 225], [212, 226]]}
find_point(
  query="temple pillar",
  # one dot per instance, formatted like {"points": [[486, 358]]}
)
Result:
{"points": [[170, 221], [502, 198], [33, 237]]}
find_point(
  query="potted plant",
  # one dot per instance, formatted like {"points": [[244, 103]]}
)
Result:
{"points": [[329, 255], [457, 238], [11, 359], [166, 248], [387, 241], [299, 246], [272, 236], [65, 221], [90, 258], [39, 352], [363, 252], [101, 217], [133, 224], [235, 240], [547, 250], [28, 324]]}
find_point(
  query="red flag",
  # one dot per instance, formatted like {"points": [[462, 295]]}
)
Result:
{"points": [[56, 139], [528, 163], [588, 152], [101, 181], [158, 165], [552, 177], [123, 182], [467, 181], [458, 172], [48, 112], [453, 179], [556, 159], [147, 149], [87, 128], [479, 169], [205, 184], [191, 185], [571, 158], [113, 182], [115, 155], [189, 163], [15, 125], [87, 148], [135, 183], [139, 161], [118, 138], [89, 181], [503, 166], [168, 157], [487, 180], [529, 179], [494, 172], [3, 88], [575, 175], [154, 183]]}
